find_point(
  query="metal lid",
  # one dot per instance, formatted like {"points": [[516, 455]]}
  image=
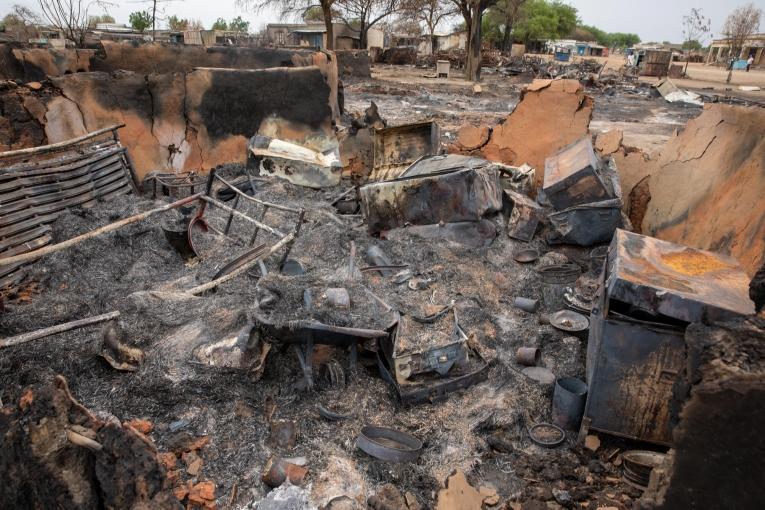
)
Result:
{"points": [[676, 281]]}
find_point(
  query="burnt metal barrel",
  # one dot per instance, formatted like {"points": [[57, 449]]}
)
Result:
{"points": [[555, 279], [569, 397]]}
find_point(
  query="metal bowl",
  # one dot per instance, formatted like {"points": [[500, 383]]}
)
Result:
{"points": [[547, 434], [638, 465], [568, 320], [525, 255], [389, 444]]}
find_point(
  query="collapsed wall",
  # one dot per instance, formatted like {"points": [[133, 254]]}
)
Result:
{"points": [[175, 122], [706, 188], [551, 115]]}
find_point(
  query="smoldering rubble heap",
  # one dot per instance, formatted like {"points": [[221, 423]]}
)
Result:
{"points": [[364, 320]]}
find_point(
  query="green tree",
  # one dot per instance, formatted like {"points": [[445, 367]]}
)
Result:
{"points": [[544, 19], [177, 24], [141, 20], [692, 45], [622, 40], [239, 25], [220, 24]]}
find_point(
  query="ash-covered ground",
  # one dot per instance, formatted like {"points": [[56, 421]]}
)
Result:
{"points": [[135, 271]]}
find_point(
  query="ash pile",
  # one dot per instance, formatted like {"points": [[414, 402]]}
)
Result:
{"points": [[447, 332]]}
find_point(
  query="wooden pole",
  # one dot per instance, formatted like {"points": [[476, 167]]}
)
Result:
{"points": [[60, 328], [246, 267], [33, 255], [65, 143]]}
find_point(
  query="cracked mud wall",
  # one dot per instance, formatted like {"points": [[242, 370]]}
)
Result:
{"points": [[174, 122], [707, 190], [550, 115]]}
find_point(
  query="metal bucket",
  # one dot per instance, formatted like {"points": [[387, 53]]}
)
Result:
{"points": [[569, 397], [555, 279]]}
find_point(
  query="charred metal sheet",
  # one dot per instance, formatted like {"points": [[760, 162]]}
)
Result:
{"points": [[586, 225], [427, 195], [297, 164], [573, 177], [633, 368], [671, 280], [37, 184], [524, 216], [397, 147]]}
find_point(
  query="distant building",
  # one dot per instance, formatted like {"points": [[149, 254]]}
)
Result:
{"points": [[720, 50], [314, 35], [451, 41]]}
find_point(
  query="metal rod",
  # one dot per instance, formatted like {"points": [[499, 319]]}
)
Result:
{"points": [[257, 230], [32, 255], [253, 199], [295, 233], [231, 215], [242, 215]]}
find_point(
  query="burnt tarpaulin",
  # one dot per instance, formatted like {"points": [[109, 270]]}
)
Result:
{"points": [[442, 189], [636, 355], [524, 216], [575, 176]]}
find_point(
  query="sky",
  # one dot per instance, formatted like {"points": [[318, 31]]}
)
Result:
{"points": [[652, 20]]}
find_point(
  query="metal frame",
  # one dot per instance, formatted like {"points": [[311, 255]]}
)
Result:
{"points": [[207, 199], [173, 184]]}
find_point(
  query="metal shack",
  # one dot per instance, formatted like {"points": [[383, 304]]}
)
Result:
{"points": [[650, 291]]}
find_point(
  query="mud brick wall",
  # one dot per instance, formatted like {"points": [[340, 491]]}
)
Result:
{"points": [[707, 187], [718, 444], [144, 59], [36, 64], [353, 63], [174, 122]]}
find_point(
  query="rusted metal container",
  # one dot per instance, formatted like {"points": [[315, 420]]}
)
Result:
{"points": [[650, 291], [528, 356], [555, 280], [524, 216], [573, 177], [441, 189], [396, 148]]}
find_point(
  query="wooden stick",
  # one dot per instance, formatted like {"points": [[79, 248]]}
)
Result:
{"points": [[33, 255], [65, 143], [80, 440], [59, 328], [246, 267]]}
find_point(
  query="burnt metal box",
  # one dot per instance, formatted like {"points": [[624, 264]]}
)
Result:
{"points": [[524, 216], [650, 291], [397, 147], [573, 177], [442, 189]]}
